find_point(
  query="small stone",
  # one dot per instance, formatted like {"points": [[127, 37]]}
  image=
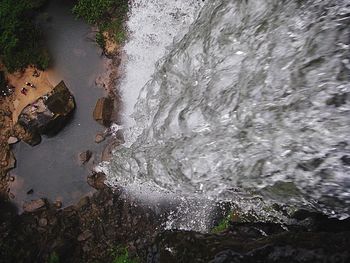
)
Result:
{"points": [[346, 160], [12, 140], [84, 236], [43, 222], [57, 204], [34, 205], [31, 191], [99, 138], [83, 202], [84, 157], [96, 180], [12, 178], [12, 196]]}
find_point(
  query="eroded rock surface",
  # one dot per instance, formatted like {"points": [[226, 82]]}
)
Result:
{"points": [[103, 111], [47, 115]]}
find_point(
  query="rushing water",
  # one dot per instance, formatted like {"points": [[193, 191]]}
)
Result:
{"points": [[51, 168], [252, 101]]}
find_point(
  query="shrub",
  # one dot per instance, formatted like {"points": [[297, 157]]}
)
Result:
{"points": [[108, 15], [92, 10], [121, 255], [20, 40]]}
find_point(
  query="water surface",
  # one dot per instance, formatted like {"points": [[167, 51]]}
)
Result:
{"points": [[51, 168]]}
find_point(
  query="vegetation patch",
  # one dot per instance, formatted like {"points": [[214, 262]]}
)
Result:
{"points": [[108, 15], [21, 41], [54, 258], [225, 223], [121, 255]]}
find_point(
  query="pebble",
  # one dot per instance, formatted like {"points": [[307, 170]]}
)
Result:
{"points": [[12, 140], [99, 138], [57, 204], [43, 222]]}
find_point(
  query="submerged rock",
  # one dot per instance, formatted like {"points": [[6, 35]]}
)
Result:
{"points": [[47, 115], [34, 205], [103, 111]]}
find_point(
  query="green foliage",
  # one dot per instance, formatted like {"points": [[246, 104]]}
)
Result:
{"points": [[54, 258], [100, 39], [20, 39], [92, 10], [225, 222], [109, 15], [223, 225], [121, 255]]}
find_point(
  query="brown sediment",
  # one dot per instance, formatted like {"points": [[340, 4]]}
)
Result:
{"points": [[18, 80]]}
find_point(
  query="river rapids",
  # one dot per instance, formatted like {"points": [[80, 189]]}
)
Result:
{"points": [[245, 101]]}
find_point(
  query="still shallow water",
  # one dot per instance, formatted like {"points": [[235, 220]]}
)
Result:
{"points": [[250, 107], [51, 168]]}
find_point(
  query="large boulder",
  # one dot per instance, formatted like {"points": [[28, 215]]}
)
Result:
{"points": [[47, 115], [34, 205], [103, 111]]}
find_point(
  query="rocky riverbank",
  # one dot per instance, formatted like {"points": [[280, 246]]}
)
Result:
{"points": [[86, 232], [94, 229]]}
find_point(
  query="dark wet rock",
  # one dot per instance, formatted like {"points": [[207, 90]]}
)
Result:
{"points": [[338, 99], [28, 134], [47, 115], [84, 157], [34, 205], [43, 222], [83, 203], [103, 111], [251, 243], [345, 159], [30, 192], [96, 180], [84, 236], [88, 234], [57, 204], [311, 164]]}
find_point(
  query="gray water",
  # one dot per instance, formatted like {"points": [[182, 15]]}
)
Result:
{"points": [[248, 107], [51, 168]]}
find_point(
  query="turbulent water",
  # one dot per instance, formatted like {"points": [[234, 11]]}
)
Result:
{"points": [[252, 101]]}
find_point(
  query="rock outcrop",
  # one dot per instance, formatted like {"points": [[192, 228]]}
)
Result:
{"points": [[103, 111], [47, 115], [256, 242]]}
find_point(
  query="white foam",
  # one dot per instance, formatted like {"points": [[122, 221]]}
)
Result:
{"points": [[153, 25]]}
